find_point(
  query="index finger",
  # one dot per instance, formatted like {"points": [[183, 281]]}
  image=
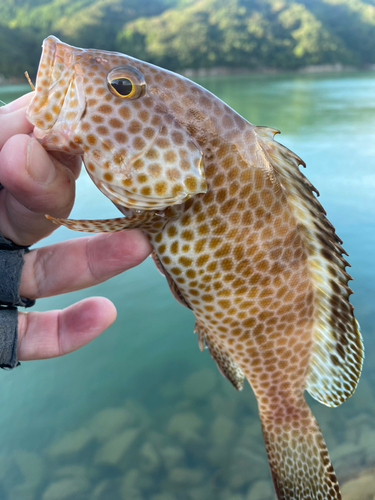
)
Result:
{"points": [[13, 119]]}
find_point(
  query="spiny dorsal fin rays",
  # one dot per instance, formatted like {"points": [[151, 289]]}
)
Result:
{"points": [[337, 356]]}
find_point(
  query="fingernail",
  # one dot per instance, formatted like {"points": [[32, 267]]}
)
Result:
{"points": [[39, 165]]}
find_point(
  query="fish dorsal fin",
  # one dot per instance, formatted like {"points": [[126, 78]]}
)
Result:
{"points": [[337, 356]]}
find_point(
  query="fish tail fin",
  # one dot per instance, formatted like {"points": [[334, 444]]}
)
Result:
{"points": [[298, 456]]}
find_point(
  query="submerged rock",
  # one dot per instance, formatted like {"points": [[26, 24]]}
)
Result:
{"points": [[228, 495], [367, 443], [261, 490], [66, 488], [185, 426], [149, 458], [200, 384], [222, 430], [246, 466], [203, 492], [130, 485], [70, 443], [30, 465], [361, 488], [163, 496], [22, 491], [348, 457], [110, 421], [115, 449], [185, 476], [71, 471], [172, 456]]}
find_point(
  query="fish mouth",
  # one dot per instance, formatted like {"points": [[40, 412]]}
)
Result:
{"points": [[58, 79]]}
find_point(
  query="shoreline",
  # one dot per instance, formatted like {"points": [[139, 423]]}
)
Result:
{"points": [[226, 70], [318, 68]]}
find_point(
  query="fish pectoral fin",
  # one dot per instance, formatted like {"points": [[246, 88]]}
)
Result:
{"points": [[94, 226], [297, 454], [225, 363]]}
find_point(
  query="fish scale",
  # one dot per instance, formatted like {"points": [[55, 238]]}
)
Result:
{"points": [[236, 230]]}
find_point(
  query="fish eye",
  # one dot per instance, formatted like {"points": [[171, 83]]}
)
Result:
{"points": [[122, 86], [126, 82]]}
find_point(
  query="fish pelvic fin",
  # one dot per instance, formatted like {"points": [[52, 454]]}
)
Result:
{"points": [[298, 456], [227, 366], [337, 354], [172, 285], [96, 226]]}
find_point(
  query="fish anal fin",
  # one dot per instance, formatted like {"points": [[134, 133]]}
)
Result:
{"points": [[172, 285], [298, 456], [95, 226], [225, 363]]}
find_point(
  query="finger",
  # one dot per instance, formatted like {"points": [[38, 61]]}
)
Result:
{"points": [[55, 333], [35, 183], [13, 119], [19, 103], [80, 263]]}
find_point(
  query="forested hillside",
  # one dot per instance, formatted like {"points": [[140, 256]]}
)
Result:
{"points": [[180, 34]]}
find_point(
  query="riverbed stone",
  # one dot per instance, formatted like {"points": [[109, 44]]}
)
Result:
{"points": [[222, 406], [66, 488], [21, 491], [130, 485], [246, 466], [261, 490], [222, 430], [185, 476], [31, 466], [74, 470], [367, 442], [227, 494], [364, 397], [348, 457], [103, 490], [361, 488], [172, 456], [201, 383], [202, 492], [110, 421], [115, 449], [71, 443], [149, 458], [185, 427], [163, 496]]}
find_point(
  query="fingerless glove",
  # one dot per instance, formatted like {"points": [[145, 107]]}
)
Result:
{"points": [[11, 262]]}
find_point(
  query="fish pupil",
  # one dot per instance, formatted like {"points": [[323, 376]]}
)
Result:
{"points": [[122, 86]]}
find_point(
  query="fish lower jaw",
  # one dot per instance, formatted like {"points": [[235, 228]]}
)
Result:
{"points": [[56, 141], [134, 201]]}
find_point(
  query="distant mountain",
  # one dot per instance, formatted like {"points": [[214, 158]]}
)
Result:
{"points": [[180, 34]]}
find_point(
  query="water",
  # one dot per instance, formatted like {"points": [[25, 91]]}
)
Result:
{"points": [[194, 437]]}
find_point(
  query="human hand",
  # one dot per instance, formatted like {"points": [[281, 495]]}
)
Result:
{"points": [[35, 183]]}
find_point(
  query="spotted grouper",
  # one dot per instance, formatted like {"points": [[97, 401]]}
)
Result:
{"points": [[236, 230]]}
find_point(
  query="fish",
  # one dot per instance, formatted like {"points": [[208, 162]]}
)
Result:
{"points": [[236, 230]]}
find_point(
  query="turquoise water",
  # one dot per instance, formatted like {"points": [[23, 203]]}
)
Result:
{"points": [[141, 413]]}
